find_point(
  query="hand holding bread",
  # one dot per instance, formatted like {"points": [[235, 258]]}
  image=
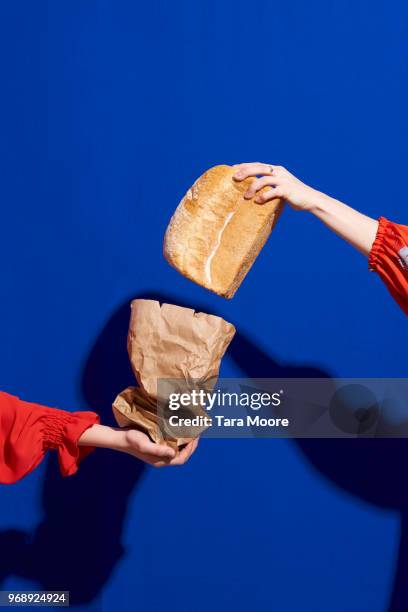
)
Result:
{"points": [[216, 232], [275, 182]]}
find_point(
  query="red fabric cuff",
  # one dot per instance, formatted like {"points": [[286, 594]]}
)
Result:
{"points": [[387, 243], [28, 430], [62, 432], [387, 257]]}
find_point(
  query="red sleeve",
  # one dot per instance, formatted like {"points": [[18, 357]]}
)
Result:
{"points": [[28, 430], [389, 258]]}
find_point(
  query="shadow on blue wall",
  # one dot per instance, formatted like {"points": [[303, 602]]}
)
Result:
{"points": [[367, 468], [78, 542], [79, 539]]}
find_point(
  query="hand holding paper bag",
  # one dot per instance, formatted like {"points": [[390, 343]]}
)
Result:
{"points": [[172, 343]]}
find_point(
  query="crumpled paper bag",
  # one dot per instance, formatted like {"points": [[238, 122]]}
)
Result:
{"points": [[173, 343]]}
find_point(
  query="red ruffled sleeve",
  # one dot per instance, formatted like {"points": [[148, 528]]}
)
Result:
{"points": [[28, 431], [389, 258]]}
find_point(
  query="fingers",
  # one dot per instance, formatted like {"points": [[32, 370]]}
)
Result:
{"points": [[260, 183], [162, 451], [269, 194], [145, 446], [251, 169], [177, 459], [256, 168], [185, 454], [275, 176], [194, 445]]}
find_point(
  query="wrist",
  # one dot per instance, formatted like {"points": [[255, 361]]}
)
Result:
{"points": [[118, 440], [316, 202]]}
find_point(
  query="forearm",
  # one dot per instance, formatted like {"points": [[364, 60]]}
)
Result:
{"points": [[358, 229], [135, 443], [354, 227], [102, 436]]}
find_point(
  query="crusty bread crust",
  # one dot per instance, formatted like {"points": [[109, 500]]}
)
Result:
{"points": [[215, 235]]}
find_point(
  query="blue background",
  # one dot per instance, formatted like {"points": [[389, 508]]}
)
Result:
{"points": [[110, 110]]}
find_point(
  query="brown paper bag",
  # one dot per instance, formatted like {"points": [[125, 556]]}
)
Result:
{"points": [[173, 343]]}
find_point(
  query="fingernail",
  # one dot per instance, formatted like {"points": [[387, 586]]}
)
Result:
{"points": [[237, 175], [258, 200], [247, 195]]}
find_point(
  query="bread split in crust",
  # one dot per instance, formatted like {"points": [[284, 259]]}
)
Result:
{"points": [[215, 235]]}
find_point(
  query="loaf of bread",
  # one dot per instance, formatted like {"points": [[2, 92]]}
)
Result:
{"points": [[215, 234]]}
